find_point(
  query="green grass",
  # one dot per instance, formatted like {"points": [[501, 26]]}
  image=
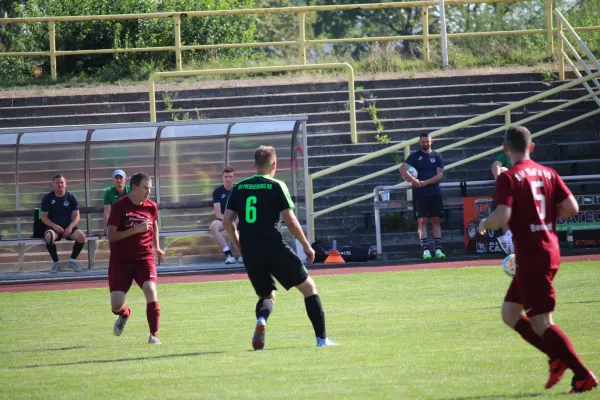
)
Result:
{"points": [[430, 334]]}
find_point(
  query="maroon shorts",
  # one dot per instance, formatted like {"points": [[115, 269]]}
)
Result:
{"points": [[122, 274], [533, 289]]}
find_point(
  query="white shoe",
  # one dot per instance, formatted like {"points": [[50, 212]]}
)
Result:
{"points": [[240, 260], [153, 340], [119, 325], [325, 342], [55, 267], [504, 244], [230, 260], [426, 255], [74, 266]]}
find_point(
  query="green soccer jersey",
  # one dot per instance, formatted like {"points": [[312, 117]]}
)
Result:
{"points": [[503, 158], [111, 195], [258, 201]]}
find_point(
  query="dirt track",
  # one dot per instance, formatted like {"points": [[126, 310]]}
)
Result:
{"points": [[32, 287]]}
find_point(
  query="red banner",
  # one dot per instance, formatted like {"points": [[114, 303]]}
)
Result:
{"points": [[476, 208]]}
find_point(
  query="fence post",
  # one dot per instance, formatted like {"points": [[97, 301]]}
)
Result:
{"points": [[177, 25], [52, 38], [408, 191], [425, 22], [561, 57], [507, 119], [549, 30], [302, 36], [152, 98]]}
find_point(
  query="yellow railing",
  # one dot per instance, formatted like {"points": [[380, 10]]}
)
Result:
{"points": [[302, 42], [405, 145], [252, 70]]}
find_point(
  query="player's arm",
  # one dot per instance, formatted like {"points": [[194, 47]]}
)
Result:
{"points": [[498, 219], [107, 208], [217, 208], [434, 179], [496, 165], [114, 235], [295, 228], [567, 207], [155, 241], [228, 222]]}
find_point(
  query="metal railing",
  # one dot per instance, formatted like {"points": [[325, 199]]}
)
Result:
{"points": [[237, 71], [301, 42], [562, 56], [405, 145], [379, 205]]}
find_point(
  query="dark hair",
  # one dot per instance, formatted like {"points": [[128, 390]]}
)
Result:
{"points": [[424, 135], [518, 139], [263, 156], [57, 176], [137, 178], [227, 170]]}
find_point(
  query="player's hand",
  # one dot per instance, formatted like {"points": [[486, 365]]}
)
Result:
{"points": [[481, 228], [160, 253], [416, 183], [143, 227], [310, 254], [68, 232], [58, 229]]}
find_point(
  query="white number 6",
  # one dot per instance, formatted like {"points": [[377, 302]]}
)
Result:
{"points": [[539, 197]]}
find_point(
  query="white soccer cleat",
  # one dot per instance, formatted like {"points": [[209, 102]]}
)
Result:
{"points": [[325, 342], [504, 244], [55, 267], [230, 260], [240, 260], [75, 266], [119, 325], [426, 255], [153, 340]]}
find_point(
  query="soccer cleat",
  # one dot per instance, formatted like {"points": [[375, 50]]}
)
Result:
{"points": [[75, 266], [439, 254], [240, 260], [426, 255], [119, 325], [584, 385], [55, 267], [230, 260], [258, 339], [325, 342], [557, 369], [153, 340], [503, 242]]}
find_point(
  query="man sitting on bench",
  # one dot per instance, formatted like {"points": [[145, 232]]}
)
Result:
{"points": [[60, 213]]}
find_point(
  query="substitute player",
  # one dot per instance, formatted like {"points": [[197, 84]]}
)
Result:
{"points": [[530, 198], [132, 232], [258, 201], [502, 164]]}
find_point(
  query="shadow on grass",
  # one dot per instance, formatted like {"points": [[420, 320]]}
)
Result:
{"points": [[562, 302], [505, 396], [118, 360], [42, 350]]}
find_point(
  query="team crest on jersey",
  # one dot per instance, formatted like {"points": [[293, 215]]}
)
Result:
{"points": [[223, 195], [420, 158], [432, 160], [52, 201], [66, 203]]}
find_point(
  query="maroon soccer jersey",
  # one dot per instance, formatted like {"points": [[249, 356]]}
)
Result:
{"points": [[126, 215], [533, 192]]}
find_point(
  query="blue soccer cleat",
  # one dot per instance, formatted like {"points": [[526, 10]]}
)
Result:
{"points": [[258, 340], [325, 342]]}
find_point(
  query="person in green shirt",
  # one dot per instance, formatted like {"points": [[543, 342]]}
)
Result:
{"points": [[114, 193], [501, 164]]}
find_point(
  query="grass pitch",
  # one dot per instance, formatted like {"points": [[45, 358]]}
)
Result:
{"points": [[428, 334]]}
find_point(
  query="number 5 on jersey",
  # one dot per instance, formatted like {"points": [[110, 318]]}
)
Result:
{"points": [[539, 197], [251, 209]]}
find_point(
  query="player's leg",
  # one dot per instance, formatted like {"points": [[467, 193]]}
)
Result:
{"points": [[562, 348], [264, 308], [435, 210], [314, 310], [215, 228], [119, 282], [50, 238], [264, 286], [152, 310], [79, 237], [420, 216]]}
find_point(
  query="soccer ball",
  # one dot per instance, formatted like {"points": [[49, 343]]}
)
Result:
{"points": [[509, 265], [413, 172]]}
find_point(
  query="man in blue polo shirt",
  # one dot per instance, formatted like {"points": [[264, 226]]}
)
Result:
{"points": [[60, 213], [220, 197], [427, 197]]}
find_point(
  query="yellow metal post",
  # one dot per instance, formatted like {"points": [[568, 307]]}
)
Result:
{"points": [[352, 100], [507, 119], [425, 19], [152, 100], [549, 30], [408, 191], [52, 38], [177, 25], [561, 53], [302, 36], [311, 206]]}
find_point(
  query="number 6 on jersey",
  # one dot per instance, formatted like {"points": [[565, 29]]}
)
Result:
{"points": [[251, 210]]}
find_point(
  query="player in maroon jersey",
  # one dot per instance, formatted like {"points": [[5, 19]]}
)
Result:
{"points": [[530, 198], [132, 232]]}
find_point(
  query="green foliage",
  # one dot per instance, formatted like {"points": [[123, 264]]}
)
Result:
{"points": [[392, 222], [372, 110]]}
